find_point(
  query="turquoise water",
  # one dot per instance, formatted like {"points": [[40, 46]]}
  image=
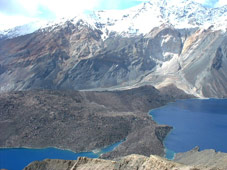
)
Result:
{"points": [[169, 154], [195, 122], [18, 158]]}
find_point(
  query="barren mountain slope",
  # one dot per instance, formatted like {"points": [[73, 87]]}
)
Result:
{"points": [[115, 49]]}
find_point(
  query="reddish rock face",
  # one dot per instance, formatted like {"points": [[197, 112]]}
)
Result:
{"points": [[42, 59], [70, 57], [74, 56]]}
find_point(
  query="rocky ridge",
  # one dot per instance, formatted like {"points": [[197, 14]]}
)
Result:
{"points": [[131, 162], [205, 158]]}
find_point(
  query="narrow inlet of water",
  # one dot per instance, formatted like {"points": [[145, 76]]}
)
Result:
{"points": [[18, 158]]}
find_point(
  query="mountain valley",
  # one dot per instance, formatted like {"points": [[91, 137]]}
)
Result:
{"points": [[89, 81]]}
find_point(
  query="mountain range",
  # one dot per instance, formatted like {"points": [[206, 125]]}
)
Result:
{"points": [[156, 43]]}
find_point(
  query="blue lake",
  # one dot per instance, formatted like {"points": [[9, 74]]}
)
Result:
{"points": [[18, 158], [195, 122]]}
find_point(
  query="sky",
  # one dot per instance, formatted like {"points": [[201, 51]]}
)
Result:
{"points": [[18, 12]]}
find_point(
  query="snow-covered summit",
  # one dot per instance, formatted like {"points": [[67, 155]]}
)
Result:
{"points": [[140, 19], [144, 17]]}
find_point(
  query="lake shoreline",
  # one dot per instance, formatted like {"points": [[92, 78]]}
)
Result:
{"points": [[173, 131], [25, 156], [52, 147]]}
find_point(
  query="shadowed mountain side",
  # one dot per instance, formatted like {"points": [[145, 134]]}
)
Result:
{"points": [[83, 120]]}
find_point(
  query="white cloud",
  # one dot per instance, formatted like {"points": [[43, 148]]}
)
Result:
{"points": [[142, 0], [201, 1], [12, 21], [31, 7], [221, 3], [61, 8], [68, 8], [29, 10]]}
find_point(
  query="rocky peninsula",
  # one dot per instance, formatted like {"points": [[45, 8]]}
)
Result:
{"points": [[85, 120]]}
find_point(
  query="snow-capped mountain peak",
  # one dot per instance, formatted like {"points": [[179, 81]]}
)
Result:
{"points": [[140, 19]]}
